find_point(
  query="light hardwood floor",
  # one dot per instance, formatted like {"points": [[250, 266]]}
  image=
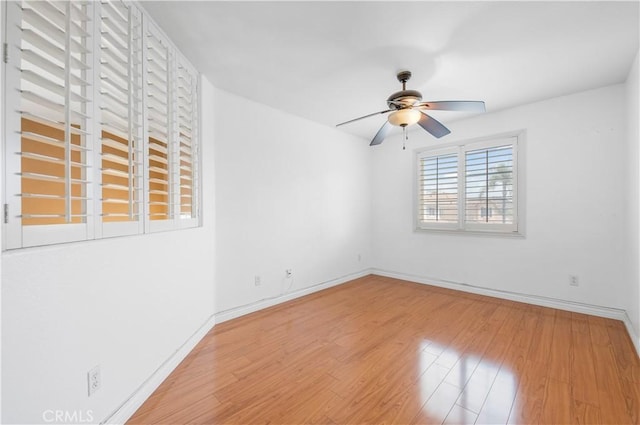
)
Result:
{"points": [[378, 350]]}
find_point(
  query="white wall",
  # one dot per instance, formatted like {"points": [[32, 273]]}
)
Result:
{"points": [[126, 304], [575, 205], [291, 194], [2, 17], [633, 196]]}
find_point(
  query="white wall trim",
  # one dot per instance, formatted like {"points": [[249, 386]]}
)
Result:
{"points": [[225, 315], [144, 391], [635, 338], [594, 310]]}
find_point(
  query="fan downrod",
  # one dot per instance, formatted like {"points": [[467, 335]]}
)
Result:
{"points": [[404, 98]]}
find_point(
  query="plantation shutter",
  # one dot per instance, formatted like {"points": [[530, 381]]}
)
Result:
{"points": [[161, 150], [121, 118], [187, 136], [101, 124], [489, 186], [48, 123], [438, 189]]}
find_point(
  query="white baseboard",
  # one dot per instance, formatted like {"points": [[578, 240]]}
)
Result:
{"points": [[635, 339], [133, 403], [225, 315], [594, 310]]}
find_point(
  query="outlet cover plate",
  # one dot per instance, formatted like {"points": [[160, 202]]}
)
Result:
{"points": [[93, 380]]}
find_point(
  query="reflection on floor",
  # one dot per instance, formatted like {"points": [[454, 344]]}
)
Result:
{"points": [[380, 350]]}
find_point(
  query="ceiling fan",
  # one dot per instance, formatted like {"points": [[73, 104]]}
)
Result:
{"points": [[407, 108]]}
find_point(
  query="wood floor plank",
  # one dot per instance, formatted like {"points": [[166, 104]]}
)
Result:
{"points": [[585, 414], [460, 415], [477, 389], [582, 361], [557, 402], [437, 408], [500, 400], [403, 407], [628, 364], [560, 349], [380, 350]]}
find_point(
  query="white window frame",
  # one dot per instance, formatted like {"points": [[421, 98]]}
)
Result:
{"points": [[513, 138], [14, 234]]}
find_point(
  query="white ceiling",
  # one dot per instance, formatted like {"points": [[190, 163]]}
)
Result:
{"points": [[333, 61]]}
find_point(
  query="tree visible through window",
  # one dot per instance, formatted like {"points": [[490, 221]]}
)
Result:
{"points": [[489, 185]]}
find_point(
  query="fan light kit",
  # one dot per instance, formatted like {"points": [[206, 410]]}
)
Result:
{"points": [[407, 108], [404, 117]]}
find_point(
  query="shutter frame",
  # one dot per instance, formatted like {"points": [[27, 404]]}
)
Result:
{"points": [[421, 223], [122, 143], [40, 94], [188, 117]]}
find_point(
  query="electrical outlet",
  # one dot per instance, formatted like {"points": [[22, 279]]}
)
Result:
{"points": [[93, 380], [573, 280], [359, 258], [256, 281], [288, 273]]}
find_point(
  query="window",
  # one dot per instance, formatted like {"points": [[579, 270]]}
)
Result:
{"points": [[104, 137], [469, 187]]}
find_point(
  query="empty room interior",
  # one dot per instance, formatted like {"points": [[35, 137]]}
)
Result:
{"points": [[234, 212]]}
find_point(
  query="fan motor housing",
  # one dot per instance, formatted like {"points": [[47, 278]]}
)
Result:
{"points": [[404, 99]]}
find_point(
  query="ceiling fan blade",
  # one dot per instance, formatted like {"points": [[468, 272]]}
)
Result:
{"points": [[454, 105], [366, 116], [433, 126], [381, 134]]}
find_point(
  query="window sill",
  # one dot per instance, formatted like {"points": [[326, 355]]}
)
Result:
{"points": [[460, 232]]}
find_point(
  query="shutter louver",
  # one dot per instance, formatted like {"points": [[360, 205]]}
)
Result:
{"points": [[160, 154], [187, 128], [489, 182], [54, 106], [438, 189], [53, 60], [101, 129], [121, 111], [471, 187]]}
